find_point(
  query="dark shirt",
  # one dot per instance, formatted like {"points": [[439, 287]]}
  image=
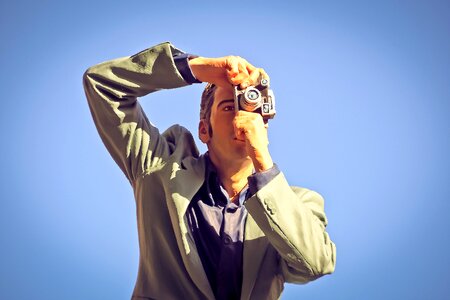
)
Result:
{"points": [[217, 226]]}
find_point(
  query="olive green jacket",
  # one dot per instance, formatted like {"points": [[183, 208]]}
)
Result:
{"points": [[285, 238]]}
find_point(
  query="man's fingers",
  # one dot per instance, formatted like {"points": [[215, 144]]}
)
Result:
{"points": [[239, 78], [239, 71], [250, 127], [238, 130], [254, 76], [233, 68], [250, 67], [252, 72], [263, 73], [243, 119]]}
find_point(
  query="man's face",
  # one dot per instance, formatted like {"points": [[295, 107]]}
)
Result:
{"points": [[223, 143]]}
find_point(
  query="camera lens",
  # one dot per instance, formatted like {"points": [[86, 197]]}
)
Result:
{"points": [[252, 95], [251, 100]]}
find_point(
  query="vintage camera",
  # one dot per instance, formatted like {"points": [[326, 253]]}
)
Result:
{"points": [[258, 98]]}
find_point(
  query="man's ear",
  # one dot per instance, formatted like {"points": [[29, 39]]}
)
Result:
{"points": [[203, 131]]}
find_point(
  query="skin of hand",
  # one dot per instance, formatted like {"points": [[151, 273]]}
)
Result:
{"points": [[226, 71], [249, 127]]}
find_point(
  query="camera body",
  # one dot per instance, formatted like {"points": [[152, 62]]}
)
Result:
{"points": [[258, 98]]}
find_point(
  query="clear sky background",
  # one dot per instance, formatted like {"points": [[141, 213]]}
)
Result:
{"points": [[363, 96]]}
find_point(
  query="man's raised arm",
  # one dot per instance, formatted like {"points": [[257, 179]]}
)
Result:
{"points": [[112, 89]]}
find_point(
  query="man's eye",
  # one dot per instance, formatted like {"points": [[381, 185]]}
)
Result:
{"points": [[228, 108]]}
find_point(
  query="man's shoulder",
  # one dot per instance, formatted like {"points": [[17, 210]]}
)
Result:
{"points": [[302, 190], [281, 181], [175, 129], [180, 141], [184, 163], [313, 199]]}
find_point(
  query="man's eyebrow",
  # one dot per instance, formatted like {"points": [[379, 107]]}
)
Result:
{"points": [[224, 101]]}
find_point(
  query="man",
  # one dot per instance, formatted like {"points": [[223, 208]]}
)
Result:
{"points": [[223, 225]]}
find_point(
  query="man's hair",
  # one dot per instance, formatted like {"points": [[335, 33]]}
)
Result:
{"points": [[207, 101]]}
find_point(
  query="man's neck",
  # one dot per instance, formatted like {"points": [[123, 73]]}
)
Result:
{"points": [[233, 174]]}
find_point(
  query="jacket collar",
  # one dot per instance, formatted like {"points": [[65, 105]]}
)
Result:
{"points": [[185, 181]]}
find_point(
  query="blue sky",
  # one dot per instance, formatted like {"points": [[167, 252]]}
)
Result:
{"points": [[366, 83]]}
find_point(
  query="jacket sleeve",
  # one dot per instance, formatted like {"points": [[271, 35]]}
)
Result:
{"points": [[294, 221], [112, 89]]}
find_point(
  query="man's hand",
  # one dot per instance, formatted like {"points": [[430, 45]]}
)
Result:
{"points": [[249, 127], [226, 71]]}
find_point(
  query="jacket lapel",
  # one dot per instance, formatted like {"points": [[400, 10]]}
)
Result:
{"points": [[185, 181], [255, 244]]}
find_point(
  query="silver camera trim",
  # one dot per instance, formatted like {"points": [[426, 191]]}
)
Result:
{"points": [[266, 104]]}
